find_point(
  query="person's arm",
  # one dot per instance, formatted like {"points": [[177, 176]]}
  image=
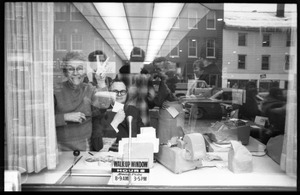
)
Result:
{"points": [[162, 94], [151, 95], [62, 119]]}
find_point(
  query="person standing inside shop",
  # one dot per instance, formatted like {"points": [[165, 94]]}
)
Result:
{"points": [[74, 105]]}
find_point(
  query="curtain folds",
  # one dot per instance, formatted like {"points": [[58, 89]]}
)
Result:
{"points": [[288, 161], [30, 126]]}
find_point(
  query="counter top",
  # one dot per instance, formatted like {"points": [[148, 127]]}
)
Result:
{"points": [[266, 174]]}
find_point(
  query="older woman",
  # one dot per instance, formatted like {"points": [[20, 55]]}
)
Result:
{"points": [[74, 105]]}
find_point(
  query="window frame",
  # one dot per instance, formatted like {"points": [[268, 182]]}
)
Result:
{"points": [[266, 43], [189, 47], [207, 48], [58, 42], [73, 42], [241, 64], [241, 41], [213, 19], [263, 64]]}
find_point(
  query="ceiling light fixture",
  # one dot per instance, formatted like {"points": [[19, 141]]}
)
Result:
{"points": [[114, 16], [162, 23]]}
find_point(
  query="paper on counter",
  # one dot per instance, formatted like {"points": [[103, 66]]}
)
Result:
{"points": [[149, 131], [147, 135], [172, 111]]}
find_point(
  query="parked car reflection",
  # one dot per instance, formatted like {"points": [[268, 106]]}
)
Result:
{"points": [[214, 106]]}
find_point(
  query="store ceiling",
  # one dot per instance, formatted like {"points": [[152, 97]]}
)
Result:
{"points": [[150, 26]]}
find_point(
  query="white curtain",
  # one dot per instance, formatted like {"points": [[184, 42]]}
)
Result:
{"points": [[288, 161], [29, 111]]}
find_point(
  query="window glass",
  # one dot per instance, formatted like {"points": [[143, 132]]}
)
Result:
{"points": [[242, 39], [60, 11], [61, 42], [189, 75], [192, 52], [265, 60], [242, 61], [266, 40], [211, 20], [76, 42], [210, 48]]}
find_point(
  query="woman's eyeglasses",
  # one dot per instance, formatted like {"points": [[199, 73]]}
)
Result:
{"points": [[122, 92], [71, 69]]}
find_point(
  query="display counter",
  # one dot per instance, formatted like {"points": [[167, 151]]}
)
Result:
{"points": [[266, 175]]}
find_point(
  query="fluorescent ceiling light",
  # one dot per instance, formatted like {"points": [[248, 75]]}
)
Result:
{"points": [[162, 23], [163, 19], [114, 16]]}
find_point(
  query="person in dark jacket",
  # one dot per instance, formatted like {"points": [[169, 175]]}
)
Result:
{"points": [[249, 110], [116, 123], [274, 107]]}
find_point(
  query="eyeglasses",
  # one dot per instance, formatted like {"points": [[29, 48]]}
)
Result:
{"points": [[71, 69], [122, 92]]}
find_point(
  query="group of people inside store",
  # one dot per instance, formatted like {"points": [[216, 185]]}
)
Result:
{"points": [[84, 104]]}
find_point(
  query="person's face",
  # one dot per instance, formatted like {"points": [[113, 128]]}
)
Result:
{"points": [[197, 70], [121, 92], [75, 71]]}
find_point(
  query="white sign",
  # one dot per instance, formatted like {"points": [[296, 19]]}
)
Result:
{"points": [[130, 172]]}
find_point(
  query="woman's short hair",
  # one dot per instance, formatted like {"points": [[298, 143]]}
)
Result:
{"points": [[74, 55]]}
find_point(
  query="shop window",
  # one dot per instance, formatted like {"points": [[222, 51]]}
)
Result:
{"points": [[35, 43]]}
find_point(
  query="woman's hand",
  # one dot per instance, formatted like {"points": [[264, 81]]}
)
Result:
{"points": [[75, 117]]}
